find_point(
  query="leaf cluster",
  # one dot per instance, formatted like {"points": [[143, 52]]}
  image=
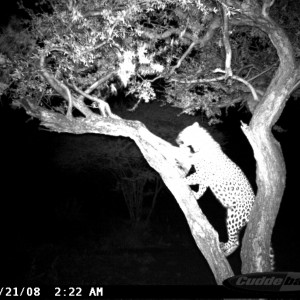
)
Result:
{"points": [[139, 42]]}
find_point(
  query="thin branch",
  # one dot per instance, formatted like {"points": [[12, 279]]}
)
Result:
{"points": [[226, 42], [99, 12], [266, 8], [96, 84], [96, 47], [296, 86], [155, 78], [185, 54], [253, 91], [232, 102], [245, 67], [162, 36], [263, 72], [135, 105], [198, 80], [249, 85], [57, 85], [103, 106]]}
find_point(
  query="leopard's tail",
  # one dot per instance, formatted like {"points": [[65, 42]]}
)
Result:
{"points": [[272, 258]]}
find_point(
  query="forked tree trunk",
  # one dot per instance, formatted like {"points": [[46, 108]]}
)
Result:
{"points": [[270, 176], [270, 169]]}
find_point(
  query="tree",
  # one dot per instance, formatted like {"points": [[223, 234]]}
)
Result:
{"points": [[85, 51]]}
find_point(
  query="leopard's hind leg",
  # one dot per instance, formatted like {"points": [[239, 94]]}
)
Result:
{"points": [[235, 221]]}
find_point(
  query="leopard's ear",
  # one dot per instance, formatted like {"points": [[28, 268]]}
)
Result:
{"points": [[196, 124]]}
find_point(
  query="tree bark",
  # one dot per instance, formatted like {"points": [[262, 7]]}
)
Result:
{"points": [[270, 170]]}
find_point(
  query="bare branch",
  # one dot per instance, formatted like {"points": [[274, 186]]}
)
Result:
{"points": [[96, 84], [96, 47], [263, 72], [266, 8], [220, 78], [61, 88], [252, 89], [92, 14], [186, 81], [185, 54], [103, 106], [227, 43], [100, 11], [135, 105], [295, 86], [215, 24], [162, 36], [244, 68]]}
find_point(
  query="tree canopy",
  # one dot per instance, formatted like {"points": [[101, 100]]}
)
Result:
{"points": [[172, 51]]}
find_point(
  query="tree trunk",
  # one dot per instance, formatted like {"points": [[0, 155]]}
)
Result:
{"points": [[270, 170]]}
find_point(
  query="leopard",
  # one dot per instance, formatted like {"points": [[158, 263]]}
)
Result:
{"points": [[215, 170]]}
